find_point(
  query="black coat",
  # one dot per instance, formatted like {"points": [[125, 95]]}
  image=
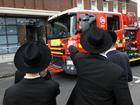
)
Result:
{"points": [[100, 82], [32, 92], [122, 60]]}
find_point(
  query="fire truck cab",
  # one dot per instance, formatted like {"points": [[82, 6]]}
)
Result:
{"points": [[62, 32]]}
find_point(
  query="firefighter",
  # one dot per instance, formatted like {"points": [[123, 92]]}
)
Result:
{"points": [[32, 58], [100, 82], [119, 58]]}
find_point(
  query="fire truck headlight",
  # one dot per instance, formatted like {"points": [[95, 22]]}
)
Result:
{"points": [[72, 68], [69, 66]]}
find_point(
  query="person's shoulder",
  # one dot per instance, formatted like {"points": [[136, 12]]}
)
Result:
{"points": [[12, 89], [117, 53], [52, 83], [123, 54], [114, 68], [120, 52], [52, 86]]}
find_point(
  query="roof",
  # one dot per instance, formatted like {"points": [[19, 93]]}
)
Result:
{"points": [[75, 10], [30, 12]]}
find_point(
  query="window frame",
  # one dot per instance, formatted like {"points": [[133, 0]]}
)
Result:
{"points": [[124, 9], [81, 6], [95, 6], [105, 8], [117, 23], [115, 3]]}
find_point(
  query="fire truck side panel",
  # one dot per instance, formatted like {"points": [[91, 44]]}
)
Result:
{"points": [[138, 38]]}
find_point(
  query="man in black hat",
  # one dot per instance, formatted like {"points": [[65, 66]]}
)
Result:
{"points": [[33, 33], [32, 58], [118, 57], [100, 82]]}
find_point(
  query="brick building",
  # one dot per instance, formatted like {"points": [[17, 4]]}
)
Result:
{"points": [[17, 15], [60, 5]]}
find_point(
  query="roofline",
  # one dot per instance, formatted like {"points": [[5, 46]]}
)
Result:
{"points": [[30, 12], [75, 10]]}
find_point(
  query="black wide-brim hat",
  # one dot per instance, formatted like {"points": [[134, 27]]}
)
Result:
{"points": [[32, 57], [95, 40]]}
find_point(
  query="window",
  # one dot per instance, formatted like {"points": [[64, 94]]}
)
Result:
{"points": [[12, 39], [10, 21], [80, 4], [63, 27], [2, 30], [3, 40], [113, 23], [12, 48], [105, 6], [2, 21], [124, 6], [93, 4], [3, 49], [115, 5], [21, 21], [11, 30], [30, 21]]}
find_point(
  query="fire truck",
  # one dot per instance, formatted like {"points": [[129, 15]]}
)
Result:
{"points": [[63, 31]]}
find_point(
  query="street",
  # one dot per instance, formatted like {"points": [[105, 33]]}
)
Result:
{"points": [[67, 83]]}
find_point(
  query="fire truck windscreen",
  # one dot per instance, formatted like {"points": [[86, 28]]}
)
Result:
{"points": [[62, 27]]}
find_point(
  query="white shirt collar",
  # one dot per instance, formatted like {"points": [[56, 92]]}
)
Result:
{"points": [[29, 76], [111, 49], [103, 54]]}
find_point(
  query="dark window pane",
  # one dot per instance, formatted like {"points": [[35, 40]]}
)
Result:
{"points": [[12, 39], [21, 21], [40, 22], [10, 21], [2, 30], [3, 40], [11, 30], [31, 21], [2, 21], [113, 22]]}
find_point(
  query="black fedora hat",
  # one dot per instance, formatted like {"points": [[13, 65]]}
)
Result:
{"points": [[32, 57], [95, 40]]}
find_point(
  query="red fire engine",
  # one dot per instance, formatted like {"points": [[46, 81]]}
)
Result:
{"points": [[62, 31]]}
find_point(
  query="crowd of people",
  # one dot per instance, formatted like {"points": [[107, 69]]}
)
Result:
{"points": [[103, 72]]}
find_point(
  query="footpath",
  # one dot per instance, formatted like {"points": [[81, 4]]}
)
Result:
{"points": [[7, 67]]}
